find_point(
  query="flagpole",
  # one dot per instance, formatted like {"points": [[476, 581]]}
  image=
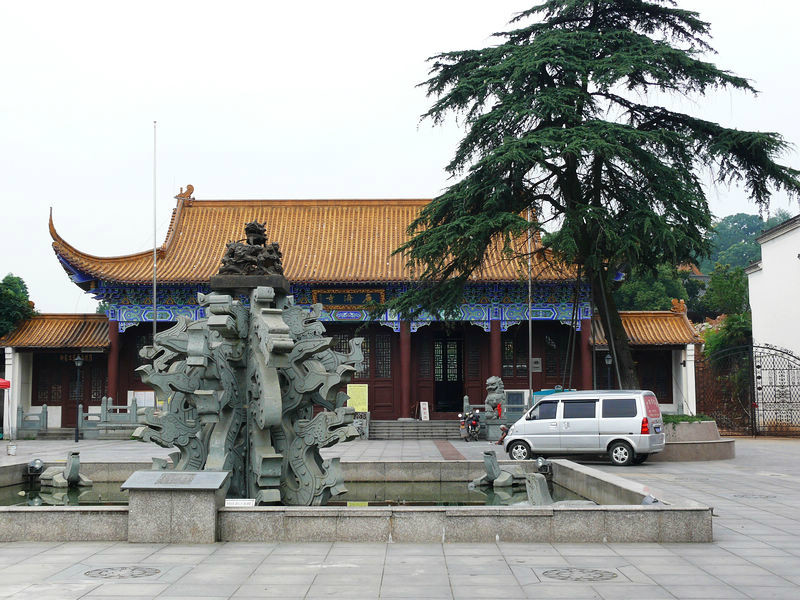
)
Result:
{"points": [[155, 241], [530, 321]]}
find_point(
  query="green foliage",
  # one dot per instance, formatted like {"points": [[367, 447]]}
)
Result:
{"points": [[675, 419], [14, 303], [736, 330], [733, 239], [557, 121], [651, 290], [727, 290]]}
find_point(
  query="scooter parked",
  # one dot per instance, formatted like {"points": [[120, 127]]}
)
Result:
{"points": [[470, 425]]}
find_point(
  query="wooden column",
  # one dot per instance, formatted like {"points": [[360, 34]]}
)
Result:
{"points": [[405, 370], [585, 349], [495, 345], [113, 360]]}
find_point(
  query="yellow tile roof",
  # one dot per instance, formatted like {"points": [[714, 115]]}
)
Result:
{"points": [[60, 331], [651, 328], [321, 241]]}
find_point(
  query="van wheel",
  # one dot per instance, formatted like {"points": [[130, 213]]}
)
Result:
{"points": [[640, 458], [621, 454], [519, 451]]}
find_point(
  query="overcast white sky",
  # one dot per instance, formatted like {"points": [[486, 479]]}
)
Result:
{"points": [[268, 100]]}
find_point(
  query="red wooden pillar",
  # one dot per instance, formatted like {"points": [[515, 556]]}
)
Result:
{"points": [[495, 344], [113, 360], [405, 369], [586, 354]]}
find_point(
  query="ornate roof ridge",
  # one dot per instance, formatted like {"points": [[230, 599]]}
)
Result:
{"points": [[323, 240], [60, 242]]}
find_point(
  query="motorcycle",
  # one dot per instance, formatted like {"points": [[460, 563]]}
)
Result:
{"points": [[470, 425]]}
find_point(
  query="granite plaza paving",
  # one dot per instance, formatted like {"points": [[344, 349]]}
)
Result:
{"points": [[755, 553]]}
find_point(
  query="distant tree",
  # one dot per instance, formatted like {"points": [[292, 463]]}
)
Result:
{"points": [[735, 330], [733, 239], [651, 290], [727, 290], [15, 306], [559, 120]]}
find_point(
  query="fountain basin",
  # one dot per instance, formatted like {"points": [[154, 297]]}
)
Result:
{"points": [[619, 517]]}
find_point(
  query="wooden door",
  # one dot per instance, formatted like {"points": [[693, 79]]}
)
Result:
{"points": [[448, 373]]}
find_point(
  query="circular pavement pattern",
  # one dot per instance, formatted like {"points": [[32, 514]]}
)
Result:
{"points": [[576, 574], [122, 572]]}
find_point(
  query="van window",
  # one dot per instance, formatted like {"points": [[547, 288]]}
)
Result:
{"points": [[580, 409], [619, 408], [544, 410]]}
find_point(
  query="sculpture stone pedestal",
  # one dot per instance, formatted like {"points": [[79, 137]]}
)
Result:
{"points": [[493, 431], [175, 507]]}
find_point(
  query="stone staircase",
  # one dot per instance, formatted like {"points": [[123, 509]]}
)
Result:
{"points": [[414, 430], [57, 433]]}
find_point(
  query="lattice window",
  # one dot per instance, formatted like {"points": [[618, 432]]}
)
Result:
{"points": [[551, 357], [438, 361], [515, 354], [383, 356], [366, 349], [508, 358], [142, 340], [74, 392], [522, 358], [452, 361], [43, 385], [341, 343], [424, 354], [55, 394], [99, 383], [474, 361]]}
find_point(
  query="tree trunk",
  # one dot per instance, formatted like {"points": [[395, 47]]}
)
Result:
{"points": [[618, 344]]}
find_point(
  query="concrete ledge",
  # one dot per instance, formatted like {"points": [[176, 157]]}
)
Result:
{"points": [[722, 449], [424, 470], [691, 431], [657, 523], [63, 523], [13, 474]]}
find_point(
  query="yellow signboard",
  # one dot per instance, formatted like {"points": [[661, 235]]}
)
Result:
{"points": [[358, 393]]}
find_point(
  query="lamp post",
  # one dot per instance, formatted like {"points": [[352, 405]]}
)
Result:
{"points": [[78, 397], [608, 360]]}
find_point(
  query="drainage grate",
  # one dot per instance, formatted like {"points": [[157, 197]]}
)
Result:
{"points": [[122, 572], [576, 574]]}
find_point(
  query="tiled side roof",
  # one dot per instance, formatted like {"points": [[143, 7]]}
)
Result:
{"points": [[690, 268], [651, 328], [60, 331], [321, 241]]}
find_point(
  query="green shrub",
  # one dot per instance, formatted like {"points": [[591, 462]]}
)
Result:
{"points": [[685, 418]]}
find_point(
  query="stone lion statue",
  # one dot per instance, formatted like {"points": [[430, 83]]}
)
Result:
{"points": [[495, 397]]}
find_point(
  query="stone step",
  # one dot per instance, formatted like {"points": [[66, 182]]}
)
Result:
{"points": [[57, 433], [414, 430]]}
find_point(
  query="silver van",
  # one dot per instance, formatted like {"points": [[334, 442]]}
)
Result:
{"points": [[625, 424]]}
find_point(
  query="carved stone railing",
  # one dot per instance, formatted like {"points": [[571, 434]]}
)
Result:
{"points": [[30, 424], [87, 423], [118, 415], [111, 418]]}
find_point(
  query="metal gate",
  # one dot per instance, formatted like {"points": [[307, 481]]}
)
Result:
{"points": [[751, 390]]}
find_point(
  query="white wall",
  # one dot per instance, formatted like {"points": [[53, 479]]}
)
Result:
{"points": [[774, 292], [19, 371], [9, 411], [683, 381]]}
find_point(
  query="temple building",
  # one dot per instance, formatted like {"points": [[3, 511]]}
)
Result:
{"points": [[340, 253]]}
